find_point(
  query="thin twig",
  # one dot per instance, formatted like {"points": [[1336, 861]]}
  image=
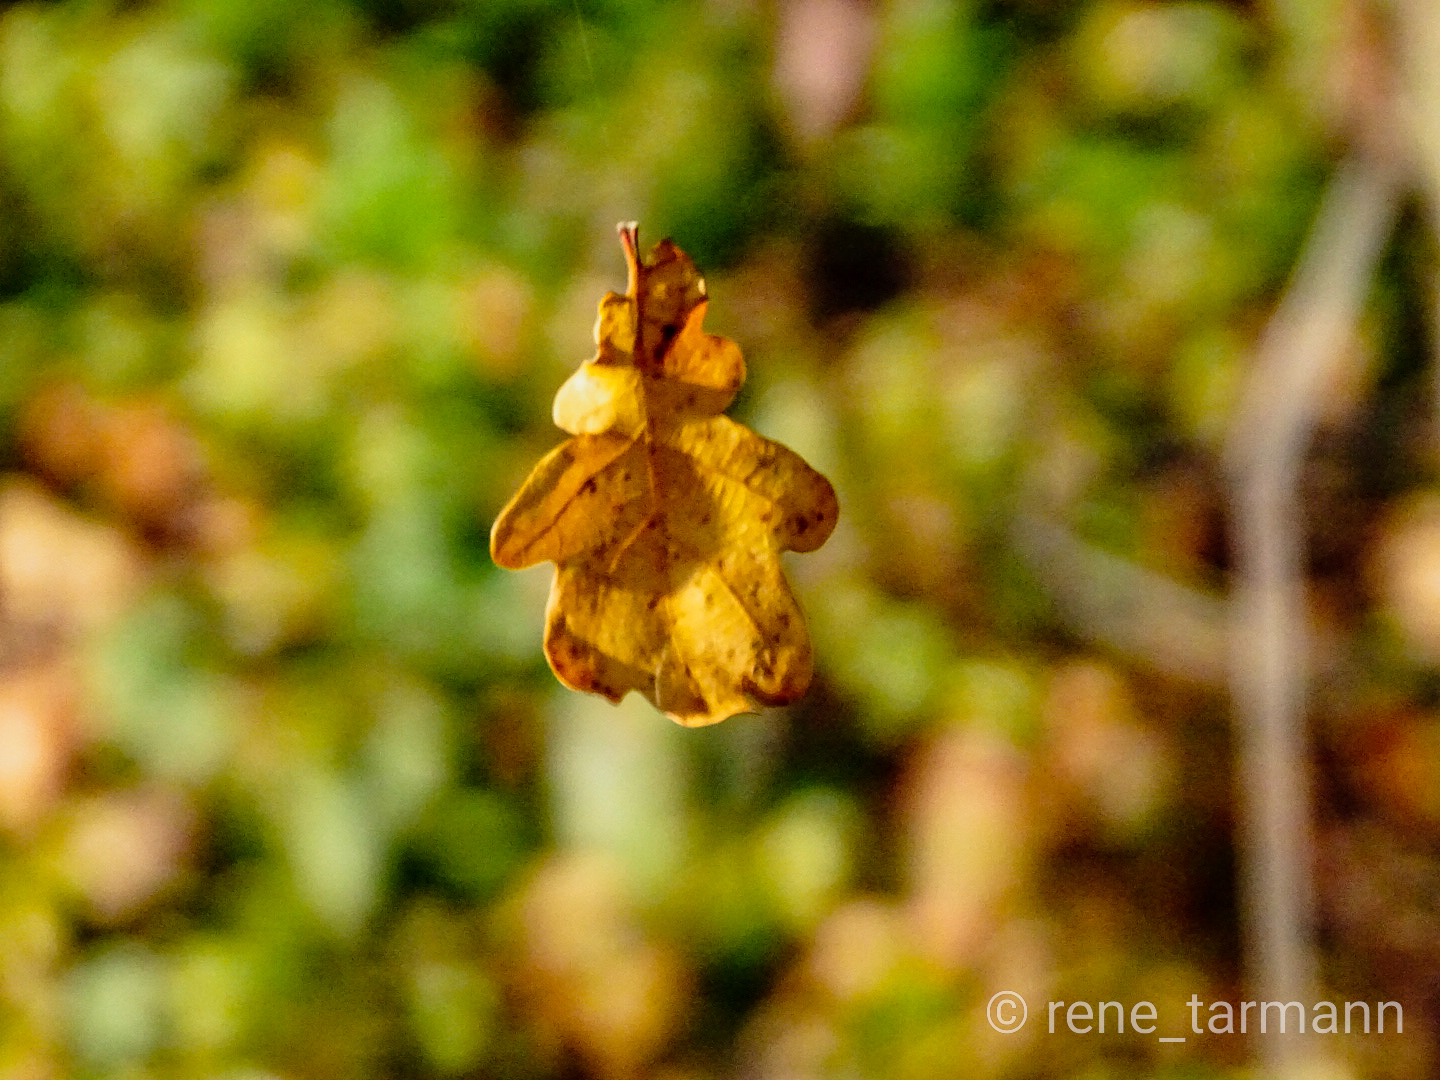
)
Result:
{"points": [[1302, 346], [1144, 615]]}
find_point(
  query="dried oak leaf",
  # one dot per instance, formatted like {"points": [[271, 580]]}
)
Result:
{"points": [[664, 519]]}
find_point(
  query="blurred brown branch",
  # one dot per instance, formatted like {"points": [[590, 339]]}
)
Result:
{"points": [[1138, 612], [1303, 345]]}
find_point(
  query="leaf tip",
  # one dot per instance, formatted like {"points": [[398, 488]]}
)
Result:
{"points": [[502, 552], [710, 718]]}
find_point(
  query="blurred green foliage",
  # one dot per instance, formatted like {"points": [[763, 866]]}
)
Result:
{"points": [[286, 789]]}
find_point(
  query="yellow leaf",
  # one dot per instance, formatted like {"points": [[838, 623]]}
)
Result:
{"points": [[665, 520]]}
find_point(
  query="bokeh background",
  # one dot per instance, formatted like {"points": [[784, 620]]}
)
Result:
{"points": [[286, 788]]}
